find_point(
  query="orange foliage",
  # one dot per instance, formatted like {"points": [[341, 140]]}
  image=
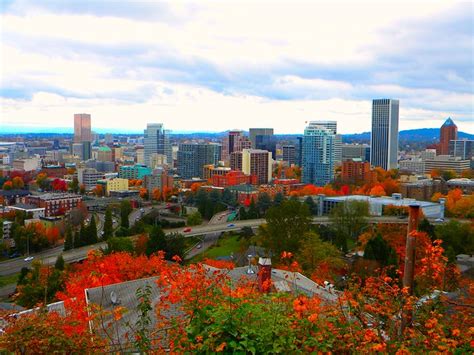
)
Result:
{"points": [[377, 190], [195, 186], [156, 194], [143, 193], [219, 264]]}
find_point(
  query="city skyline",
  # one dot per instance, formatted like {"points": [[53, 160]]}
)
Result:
{"points": [[194, 67]]}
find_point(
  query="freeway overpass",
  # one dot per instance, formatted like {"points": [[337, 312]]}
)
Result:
{"points": [[48, 257]]}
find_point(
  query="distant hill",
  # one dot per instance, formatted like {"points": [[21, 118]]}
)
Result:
{"points": [[421, 134]]}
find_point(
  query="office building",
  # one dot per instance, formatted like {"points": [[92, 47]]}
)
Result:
{"points": [[104, 154], [318, 155], [193, 157], [412, 166], [428, 154], [299, 151], [235, 141], [254, 162], [355, 170], [254, 133], [159, 179], [157, 141], [461, 148], [134, 172], [421, 190], [28, 164], [115, 185], [86, 150], [289, 154], [355, 151], [88, 177], [384, 135], [210, 170], [447, 133], [446, 162], [158, 160], [82, 128], [140, 157], [464, 184]]}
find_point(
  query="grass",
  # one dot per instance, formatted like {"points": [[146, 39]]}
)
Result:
{"points": [[8, 280], [224, 247]]}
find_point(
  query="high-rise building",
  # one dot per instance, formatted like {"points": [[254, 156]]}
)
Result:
{"points": [[254, 162], [318, 155], [235, 141], [157, 141], [289, 154], [384, 136], [461, 148], [299, 151], [82, 128], [332, 125], [255, 132], [193, 157], [447, 133]]}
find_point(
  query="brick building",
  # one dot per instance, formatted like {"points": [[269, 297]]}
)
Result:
{"points": [[355, 170], [233, 178], [54, 203]]}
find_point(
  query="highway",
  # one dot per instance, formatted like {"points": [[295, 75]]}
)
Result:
{"points": [[48, 257]]}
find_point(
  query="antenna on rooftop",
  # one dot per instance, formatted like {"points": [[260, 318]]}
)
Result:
{"points": [[114, 298]]}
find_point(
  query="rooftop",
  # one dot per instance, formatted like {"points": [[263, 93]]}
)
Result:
{"points": [[449, 122]]}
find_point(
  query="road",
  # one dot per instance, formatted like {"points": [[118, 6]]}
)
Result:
{"points": [[48, 257]]}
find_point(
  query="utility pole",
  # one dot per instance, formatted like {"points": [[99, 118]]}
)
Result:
{"points": [[410, 250]]}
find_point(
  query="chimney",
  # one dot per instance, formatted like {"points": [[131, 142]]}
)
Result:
{"points": [[264, 274]]}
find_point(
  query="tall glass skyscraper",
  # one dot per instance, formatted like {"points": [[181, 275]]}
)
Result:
{"points": [[157, 141], [318, 154], [384, 137], [193, 156]]}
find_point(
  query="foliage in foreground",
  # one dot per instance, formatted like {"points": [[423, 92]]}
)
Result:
{"points": [[217, 313]]}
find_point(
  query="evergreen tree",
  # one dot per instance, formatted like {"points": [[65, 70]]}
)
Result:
{"points": [[82, 236], [156, 242], [252, 213], [313, 208], [242, 214], [69, 239], [108, 225], [59, 265], [92, 231], [125, 210], [378, 249], [264, 203], [278, 199], [427, 227], [175, 245]]}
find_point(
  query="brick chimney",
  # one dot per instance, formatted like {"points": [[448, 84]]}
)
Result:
{"points": [[264, 274]]}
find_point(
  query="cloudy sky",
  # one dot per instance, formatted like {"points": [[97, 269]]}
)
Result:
{"points": [[212, 66]]}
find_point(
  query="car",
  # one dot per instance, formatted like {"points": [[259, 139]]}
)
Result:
{"points": [[199, 246], [230, 225], [114, 221], [29, 258], [187, 230], [439, 220], [14, 255]]}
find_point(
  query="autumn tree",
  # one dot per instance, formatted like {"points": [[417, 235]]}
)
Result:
{"points": [[18, 183], [379, 250], [7, 185], [156, 194]]}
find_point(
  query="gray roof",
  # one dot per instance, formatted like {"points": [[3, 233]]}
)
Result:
{"points": [[24, 206]]}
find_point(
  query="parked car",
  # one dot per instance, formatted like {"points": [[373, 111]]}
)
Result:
{"points": [[199, 246], [187, 230], [230, 225], [29, 258], [439, 220]]}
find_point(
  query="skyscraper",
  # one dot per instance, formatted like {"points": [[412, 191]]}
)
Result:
{"points": [[235, 141], [82, 128], [318, 154], [332, 125], [447, 132], [157, 141], [254, 132], [193, 157], [384, 136]]}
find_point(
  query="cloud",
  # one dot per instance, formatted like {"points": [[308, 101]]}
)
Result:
{"points": [[273, 58]]}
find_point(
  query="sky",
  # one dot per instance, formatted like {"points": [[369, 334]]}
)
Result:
{"points": [[214, 66]]}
